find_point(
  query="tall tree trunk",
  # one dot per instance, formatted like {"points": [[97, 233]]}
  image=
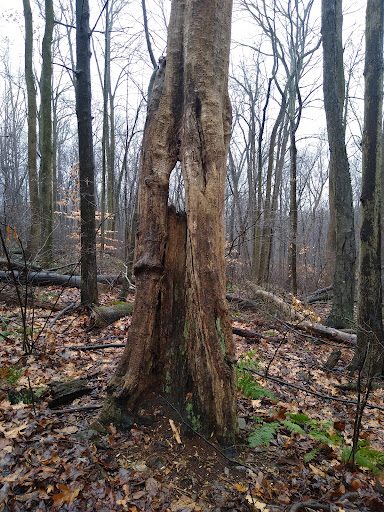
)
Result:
{"points": [[370, 347], [86, 159], [180, 317], [34, 232], [46, 137], [333, 84], [293, 193]]}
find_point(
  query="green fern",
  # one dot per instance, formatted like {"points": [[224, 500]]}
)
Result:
{"points": [[365, 457], [311, 455], [300, 419], [293, 426], [263, 434], [245, 381]]}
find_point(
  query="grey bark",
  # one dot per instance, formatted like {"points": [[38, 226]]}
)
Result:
{"points": [[341, 315], [86, 160]]}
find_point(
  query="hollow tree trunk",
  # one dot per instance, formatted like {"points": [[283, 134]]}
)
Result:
{"points": [[180, 340]]}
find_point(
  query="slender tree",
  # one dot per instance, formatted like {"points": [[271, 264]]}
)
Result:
{"points": [[180, 340], [333, 85], [86, 159], [34, 232], [46, 137]]}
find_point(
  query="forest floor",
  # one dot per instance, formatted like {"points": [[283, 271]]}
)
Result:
{"points": [[51, 460]]}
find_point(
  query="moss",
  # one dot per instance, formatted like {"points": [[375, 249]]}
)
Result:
{"points": [[193, 419], [186, 329], [221, 336], [176, 294], [168, 381]]}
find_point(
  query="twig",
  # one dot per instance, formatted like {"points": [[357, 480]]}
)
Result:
{"points": [[314, 505], [327, 397]]}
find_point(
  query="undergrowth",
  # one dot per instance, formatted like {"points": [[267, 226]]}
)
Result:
{"points": [[323, 432]]}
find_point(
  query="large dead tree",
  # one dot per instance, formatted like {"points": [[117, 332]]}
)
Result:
{"points": [[180, 340]]}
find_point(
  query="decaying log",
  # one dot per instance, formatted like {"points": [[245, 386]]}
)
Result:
{"points": [[244, 333], [102, 316], [299, 320], [64, 392]]}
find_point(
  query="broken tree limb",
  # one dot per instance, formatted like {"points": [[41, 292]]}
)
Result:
{"points": [[19, 265], [299, 321], [318, 295]]}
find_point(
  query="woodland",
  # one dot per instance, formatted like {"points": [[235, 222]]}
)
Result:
{"points": [[191, 256]]}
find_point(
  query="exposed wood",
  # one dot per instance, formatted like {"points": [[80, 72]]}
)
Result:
{"points": [[102, 316], [77, 409]]}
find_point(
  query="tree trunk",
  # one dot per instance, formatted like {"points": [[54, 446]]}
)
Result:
{"points": [[34, 232], [46, 137], [370, 351], [344, 277], [181, 318], [86, 162]]}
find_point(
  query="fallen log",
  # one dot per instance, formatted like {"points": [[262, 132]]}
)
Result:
{"points": [[101, 316], [18, 265], [299, 321], [52, 278]]}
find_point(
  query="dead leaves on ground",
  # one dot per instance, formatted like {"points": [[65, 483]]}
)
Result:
{"points": [[51, 462]]}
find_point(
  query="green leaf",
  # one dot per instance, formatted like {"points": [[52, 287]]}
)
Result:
{"points": [[263, 434]]}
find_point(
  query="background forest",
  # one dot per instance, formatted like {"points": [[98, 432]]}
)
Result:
{"points": [[275, 77]]}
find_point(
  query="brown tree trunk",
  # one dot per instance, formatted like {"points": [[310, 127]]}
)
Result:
{"points": [[180, 340]]}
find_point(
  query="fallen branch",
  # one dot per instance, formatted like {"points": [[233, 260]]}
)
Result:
{"points": [[299, 320], [97, 347], [318, 295], [62, 312], [310, 392], [52, 278], [314, 505]]}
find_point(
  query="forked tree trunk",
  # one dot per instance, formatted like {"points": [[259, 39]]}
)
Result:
{"points": [[180, 340]]}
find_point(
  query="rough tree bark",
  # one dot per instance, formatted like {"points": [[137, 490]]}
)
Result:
{"points": [[46, 137], [341, 315], [180, 340], [34, 232], [370, 352], [86, 162]]}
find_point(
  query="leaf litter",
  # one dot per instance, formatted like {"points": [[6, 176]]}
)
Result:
{"points": [[51, 460]]}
